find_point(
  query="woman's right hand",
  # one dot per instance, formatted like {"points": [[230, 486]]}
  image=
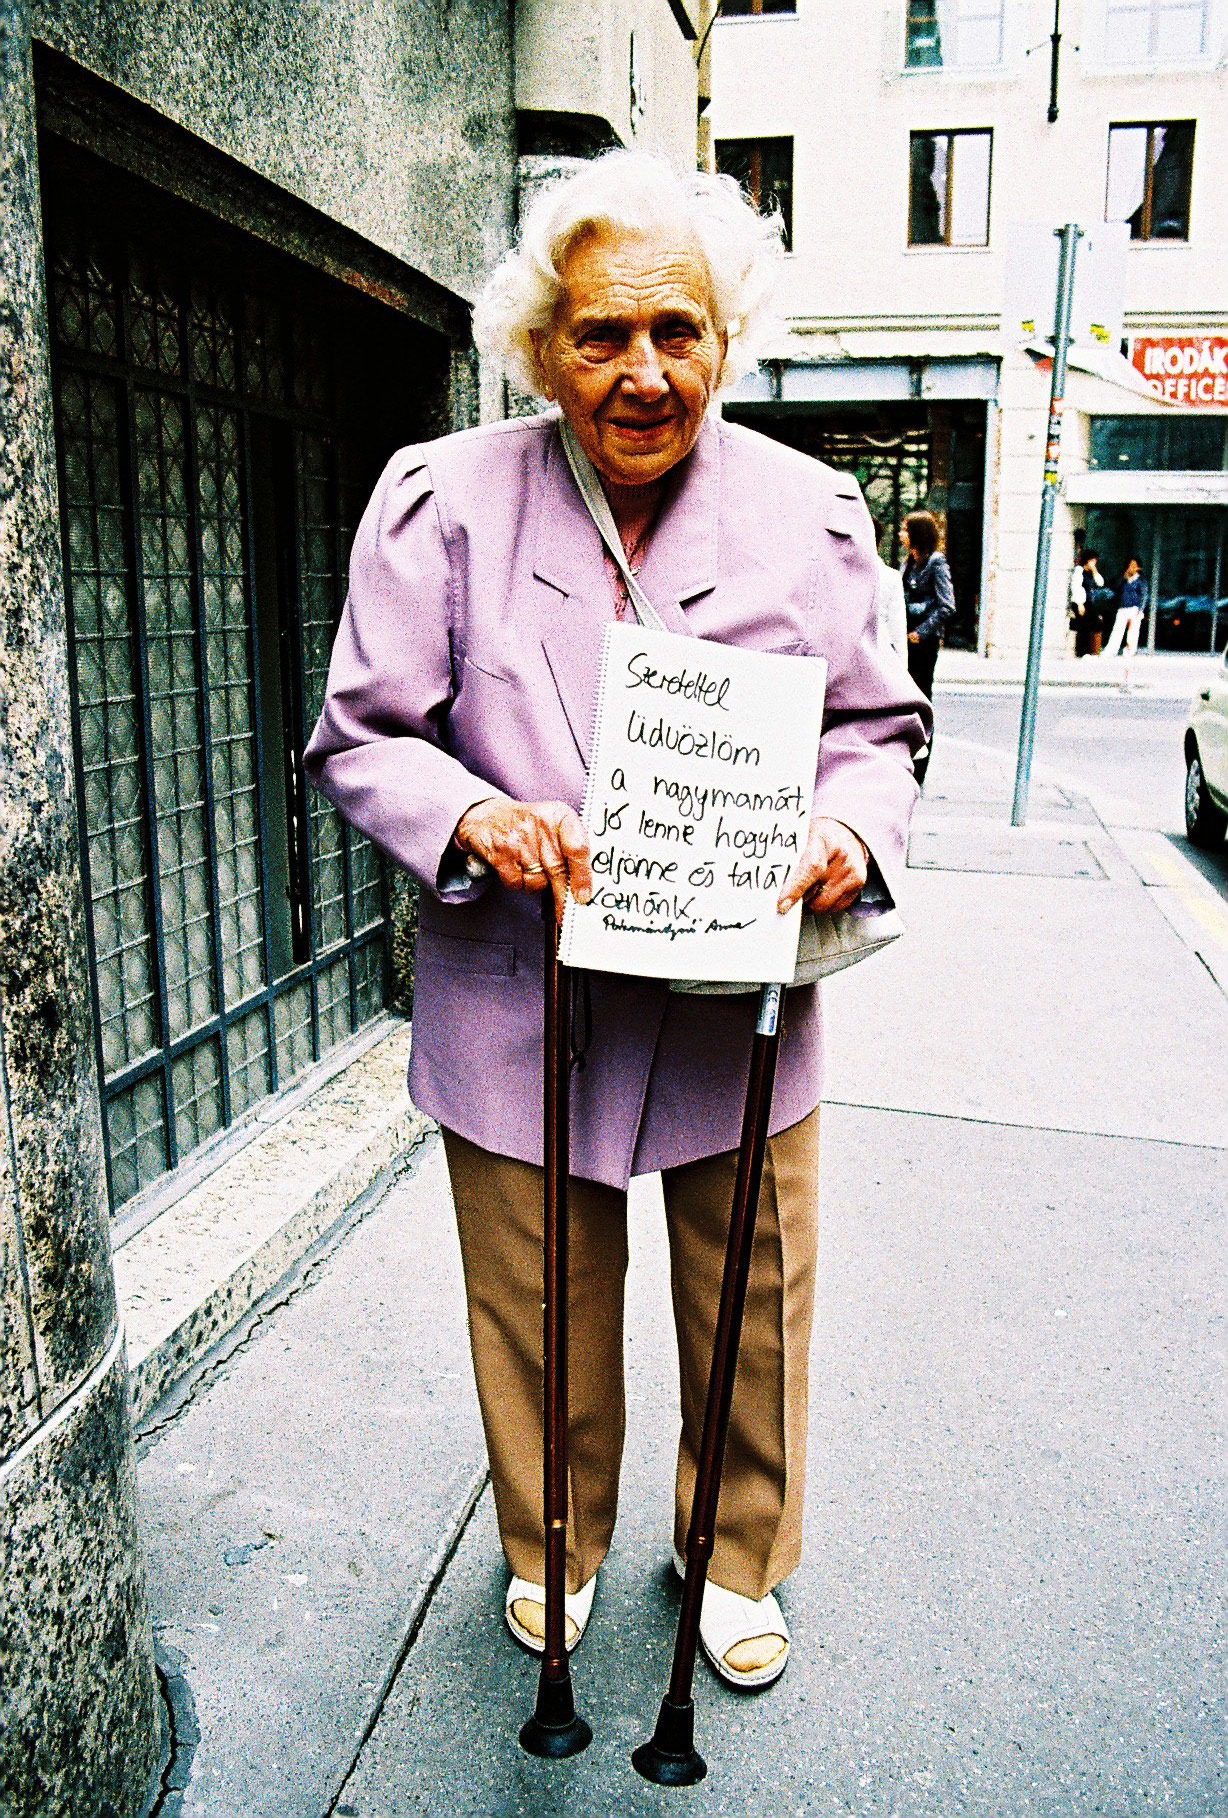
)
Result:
{"points": [[530, 846]]}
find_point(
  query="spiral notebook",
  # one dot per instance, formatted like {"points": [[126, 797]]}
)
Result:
{"points": [[697, 806]]}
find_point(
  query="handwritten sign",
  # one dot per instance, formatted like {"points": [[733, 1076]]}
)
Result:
{"points": [[697, 808]]}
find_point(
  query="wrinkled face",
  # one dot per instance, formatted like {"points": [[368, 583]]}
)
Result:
{"points": [[633, 355]]}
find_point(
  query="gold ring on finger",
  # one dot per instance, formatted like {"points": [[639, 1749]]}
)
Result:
{"points": [[532, 870]]}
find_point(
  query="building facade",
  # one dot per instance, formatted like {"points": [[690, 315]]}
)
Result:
{"points": [[909, 145], [241, 247]]}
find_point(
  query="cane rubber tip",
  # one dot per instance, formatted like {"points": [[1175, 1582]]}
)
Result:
{"points": [[554, 1731], [555, 1741], [671, 1758]]}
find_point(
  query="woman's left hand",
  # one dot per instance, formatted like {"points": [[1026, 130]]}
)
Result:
{"points": [[831, 872]]}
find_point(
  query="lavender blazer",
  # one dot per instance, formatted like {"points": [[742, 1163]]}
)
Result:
{"points": [[466, 663]]}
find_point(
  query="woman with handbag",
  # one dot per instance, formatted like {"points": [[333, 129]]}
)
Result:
{"points": [[456, 732], [929, 601]]}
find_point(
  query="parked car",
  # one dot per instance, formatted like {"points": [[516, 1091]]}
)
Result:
{"points": [[1184, 621], [1206, 762]]}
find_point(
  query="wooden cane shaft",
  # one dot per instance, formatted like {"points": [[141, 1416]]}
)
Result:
{"points": [[739, 1246], [557, 1022]]}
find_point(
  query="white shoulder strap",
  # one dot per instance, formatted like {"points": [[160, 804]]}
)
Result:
{"points": [[585, 475]]}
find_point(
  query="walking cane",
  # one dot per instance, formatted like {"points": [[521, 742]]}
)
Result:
{"points": [[554, 1730], [671, 1758]]}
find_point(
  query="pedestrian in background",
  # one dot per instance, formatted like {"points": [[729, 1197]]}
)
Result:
{"points": [[929, 601], [889, 602], [1128, 619], [1077, 597], [1089, 623]]}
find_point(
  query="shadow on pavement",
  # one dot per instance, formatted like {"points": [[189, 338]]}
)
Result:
{"points": [[1212, 865]]}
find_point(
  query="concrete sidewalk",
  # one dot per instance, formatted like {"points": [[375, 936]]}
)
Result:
{"points": [[1014, 1566], [1166, 675]]}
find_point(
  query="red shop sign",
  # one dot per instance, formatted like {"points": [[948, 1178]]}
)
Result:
{"points": [[1185, 369]]}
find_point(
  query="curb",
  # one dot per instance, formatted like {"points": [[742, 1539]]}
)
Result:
{"points": [[188, 1278], [1160, 691]]}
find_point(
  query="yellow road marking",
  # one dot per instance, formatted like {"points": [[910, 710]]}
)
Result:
{"points": [[1195, 893]]}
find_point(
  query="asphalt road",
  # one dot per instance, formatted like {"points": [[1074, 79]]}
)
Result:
{"points": [[1126, 748]]}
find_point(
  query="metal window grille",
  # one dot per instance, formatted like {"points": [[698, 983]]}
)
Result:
{"points": [[210, 486]]}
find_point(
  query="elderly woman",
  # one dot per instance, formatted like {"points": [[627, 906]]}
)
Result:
{"points": [[456, 730]]}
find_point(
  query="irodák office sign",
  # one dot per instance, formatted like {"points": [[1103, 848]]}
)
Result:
{"points": [[1184, 369]]}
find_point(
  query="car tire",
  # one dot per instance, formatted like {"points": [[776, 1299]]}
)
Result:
{"points": [[1205, 824]]}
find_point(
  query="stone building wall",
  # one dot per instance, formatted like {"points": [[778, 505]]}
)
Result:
{"points": [[622, 72], [78, 1721], [392, 119]]}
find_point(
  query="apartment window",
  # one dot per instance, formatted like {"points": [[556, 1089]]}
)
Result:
{"points": [[764, 168], [1155, 31], [755, 7], [948, 198], [953, 34], [1150, 168]]}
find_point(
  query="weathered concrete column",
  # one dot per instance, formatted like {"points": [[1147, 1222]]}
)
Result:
{"points": [[78, 1698]]}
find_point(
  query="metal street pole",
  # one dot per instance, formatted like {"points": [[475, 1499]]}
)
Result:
{"points": [[1069, 237]]}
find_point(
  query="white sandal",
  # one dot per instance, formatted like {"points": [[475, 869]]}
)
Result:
{"points": [[726, 1619], [577, 1606]]}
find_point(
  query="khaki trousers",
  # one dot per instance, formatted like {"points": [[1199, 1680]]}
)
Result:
{"points": [[499, 1213]]}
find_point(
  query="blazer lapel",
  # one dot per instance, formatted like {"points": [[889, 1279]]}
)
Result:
{"points": [[568, 557], [681, 562]]}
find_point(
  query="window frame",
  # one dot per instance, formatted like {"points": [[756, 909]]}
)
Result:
{"points": [[946, 244], [1151, 127], [959, 66], [757, 10], [756, 142], [1152, 57]]}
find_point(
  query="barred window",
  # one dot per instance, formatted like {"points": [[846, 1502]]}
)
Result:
{"points": [[213, 467]]}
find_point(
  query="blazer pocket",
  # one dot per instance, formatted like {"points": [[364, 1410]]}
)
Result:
{"points": [[487, 670], [845, 516], [465, 953]]}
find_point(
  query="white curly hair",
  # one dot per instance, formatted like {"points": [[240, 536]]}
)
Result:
{"points": [[634, 190]]}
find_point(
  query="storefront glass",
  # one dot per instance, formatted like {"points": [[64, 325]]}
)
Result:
{"points": [[1154, 443], [907, 457], [1183, 553]]}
